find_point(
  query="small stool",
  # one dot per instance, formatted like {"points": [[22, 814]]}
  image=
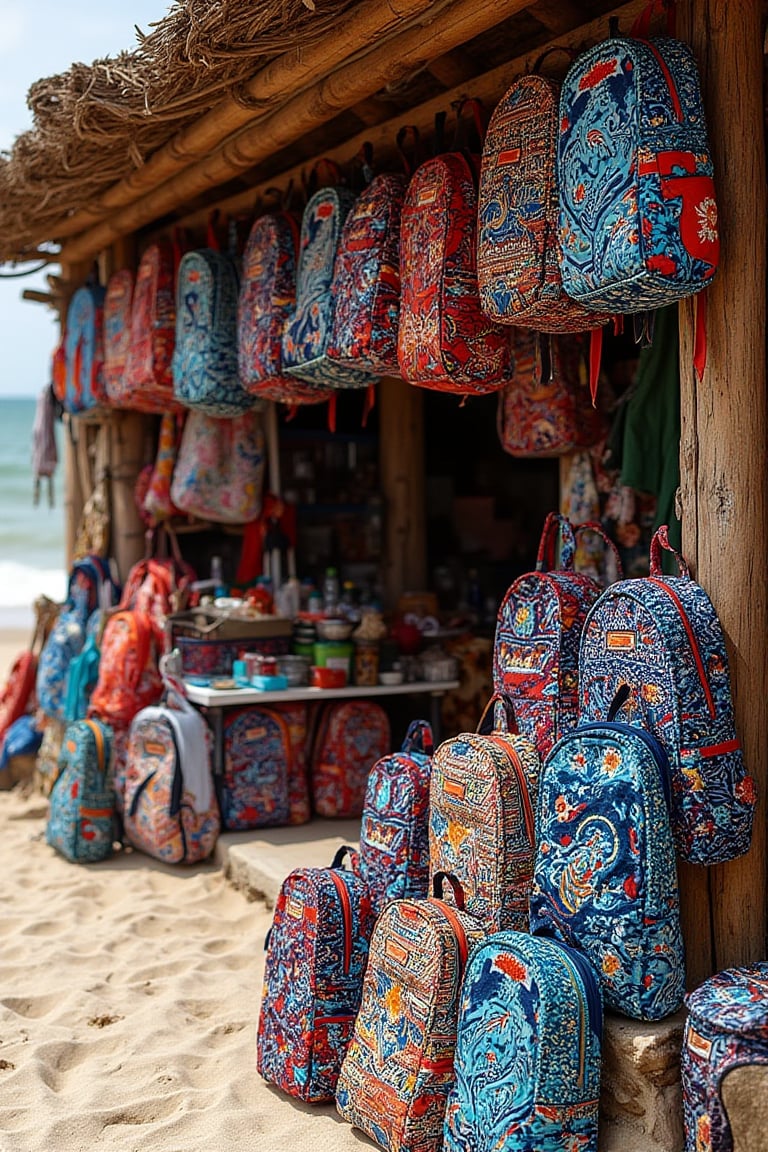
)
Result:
{"points": [[727, 1028]]}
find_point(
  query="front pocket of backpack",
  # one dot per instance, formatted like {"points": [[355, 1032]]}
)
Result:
{"points": [[330, 1040], [95, 831], [714, 803]]}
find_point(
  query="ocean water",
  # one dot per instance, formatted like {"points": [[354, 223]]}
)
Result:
{"points": [[32, 550]]}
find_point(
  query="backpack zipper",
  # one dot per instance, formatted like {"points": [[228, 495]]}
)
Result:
{"points": [[98, 736], [519, 772], [458, 931], [593, 1012], [676, 104], [692, 641], [346, 912], [658, 751]]}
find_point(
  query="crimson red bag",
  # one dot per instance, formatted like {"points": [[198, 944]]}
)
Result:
{"points": [[18, 689]]}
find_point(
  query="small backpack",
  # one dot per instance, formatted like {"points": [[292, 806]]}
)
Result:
{"points": [[638, 216], [253, 786], [545, 408], [727, 1028], [351, 736], [366, 279], [205, 373], [307, 331], [536, 645], [659, 638], [220, 466], [398, 1070], [81, 817], [148, 380], [317, 949], [445, 342], [83, 671], [605, 879], [530, 1032], [117, 334], [518, 271], [296, 719], [84, 350], [394, 833], [482, 817], [168, 800]]}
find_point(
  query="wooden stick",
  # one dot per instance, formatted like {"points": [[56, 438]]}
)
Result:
{"points": [[402, 55]]}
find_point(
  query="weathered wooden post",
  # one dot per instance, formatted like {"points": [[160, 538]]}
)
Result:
{"points": [[401, 466]]}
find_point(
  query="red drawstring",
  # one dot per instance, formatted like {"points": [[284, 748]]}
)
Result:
{"points": [[700, 335], [595, 354]]}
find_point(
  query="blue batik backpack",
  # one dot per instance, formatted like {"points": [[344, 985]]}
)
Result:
{"points": [[81, 817], [527, 1059], [660, 638], [605, 879], [307, 332], [638, 217], [85, 386]]}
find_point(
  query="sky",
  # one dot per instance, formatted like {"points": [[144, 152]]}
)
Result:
{"points": [[41, 38]]}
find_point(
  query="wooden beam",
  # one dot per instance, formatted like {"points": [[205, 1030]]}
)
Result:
{"points": [[723, 455], [398, 58], [40, 297], [557, 15], [452, 68]]}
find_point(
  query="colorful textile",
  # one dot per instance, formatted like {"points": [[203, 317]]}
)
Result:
{"points": [[605, 879], [317, 950], [659, 637], [84, 350], [351, 737], [148, 381], [117, 331], [444, 340], [638, 217], [253, 786], [219, 470], [528, 1050], [297, 722], [81, 816], [727, 1028]]}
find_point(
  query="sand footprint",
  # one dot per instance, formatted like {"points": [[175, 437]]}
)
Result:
{"points": [[31, 1007]]}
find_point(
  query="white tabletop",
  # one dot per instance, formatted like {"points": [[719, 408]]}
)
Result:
{"points": [[228, 697]]}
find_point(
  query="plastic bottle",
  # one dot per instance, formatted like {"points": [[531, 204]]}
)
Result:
{"points": [[217, 576], [348, 603], [331, 592]]}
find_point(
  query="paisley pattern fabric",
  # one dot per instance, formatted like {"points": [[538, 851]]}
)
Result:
{"points": [[253, 786], [398, 1070], [445, 341], [518, 271], [727, 1027], [117, 331], [266, 302], [545, 410], [84, 350], [366, 279], [394, 834], [128, 678], [168, 812], [605, 879], [536, 645], [202, 657], [351, 736], [482, 823], [204, 365], [149, 372], [81, 815], [313, 977], [305, 342], [528, 1050], [661, 637], [297, 720], [638, 217], [219, 471]]}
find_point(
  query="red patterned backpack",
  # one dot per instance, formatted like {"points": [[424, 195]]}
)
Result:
{"points": [[545, 409], [351, 736], [148, 382], [117, 331]]}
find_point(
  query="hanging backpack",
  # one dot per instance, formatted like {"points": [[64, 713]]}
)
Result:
{"points": [[253, 786], [638, 216], [518, 271], [81, 815], [83, 671], [117, 334], [605, 879], [84, 350], [545, 408], [45, 452], [168, 800], [352, 736], [726, 1028], [148, 379], [659, 638], [529, 1034], [220, 466], [482, 816], [536, 645], [317, 949], [307, 331], [398, 1070], [394, 833]]}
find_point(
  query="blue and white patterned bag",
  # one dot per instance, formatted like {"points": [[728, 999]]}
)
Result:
{"points": [[527, 1058], [660, 638], [81, 819], [605, 879]]}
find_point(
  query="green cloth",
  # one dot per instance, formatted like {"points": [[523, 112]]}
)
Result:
{"points": [[651, 445]]}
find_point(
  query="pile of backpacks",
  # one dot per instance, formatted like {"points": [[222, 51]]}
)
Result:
{"points": [[452, 997], [581, 203]]}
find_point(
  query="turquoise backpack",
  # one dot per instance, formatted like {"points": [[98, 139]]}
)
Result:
{"points": [[81, 818]]}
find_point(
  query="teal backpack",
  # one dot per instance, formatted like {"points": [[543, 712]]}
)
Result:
{"points": [[81, 818]]}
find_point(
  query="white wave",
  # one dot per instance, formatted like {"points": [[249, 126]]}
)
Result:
{"points": [[20, 584]]}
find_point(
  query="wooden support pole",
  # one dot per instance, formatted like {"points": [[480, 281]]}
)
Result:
{"points": [[723, 456], [401, 467], [129, 432]]}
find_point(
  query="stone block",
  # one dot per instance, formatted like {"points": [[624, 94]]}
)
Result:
{"points": [[745, 1097]]}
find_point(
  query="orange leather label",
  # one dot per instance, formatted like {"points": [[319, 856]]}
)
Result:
{"points": [[255, 733], [153, 748], [396, 951], [698, 1044], [454, 788], [294, 908], [428, 196], [509, 156], [621, 641]]}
